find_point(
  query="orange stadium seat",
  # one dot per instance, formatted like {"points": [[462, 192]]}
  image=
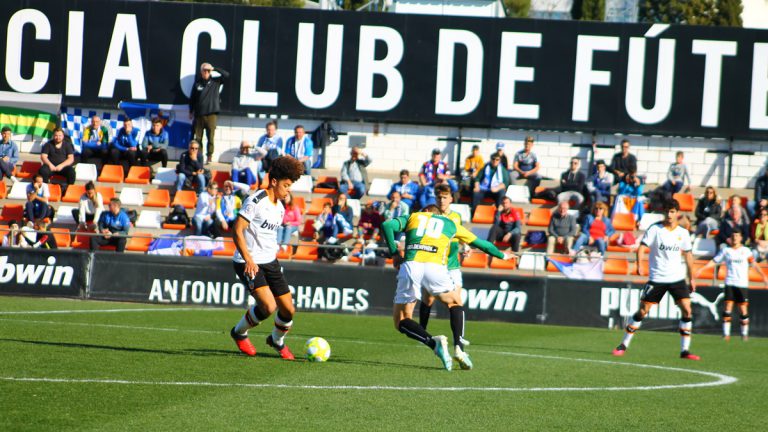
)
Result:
{"points": [[138, 175], [475, 260], [55, 191], [112, 174], [301, 202], [284, 253], [158, 198], [174, 227], [685, 200], [541, 201], [264, 183], [316, 205], [229, 249], [63, 237], [306, 252], [107, 193], [497, 263], [484, 214], [616, 266], [188, 199], [11, 212], [624, 222], [330, 181], [220, 177], [28, 169], [139, 242], [4, 190], [551, 267], [539, 217], [73, 193], [81, 241]]}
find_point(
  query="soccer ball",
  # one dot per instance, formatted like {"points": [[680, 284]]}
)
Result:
{"points": [[318, 349]]}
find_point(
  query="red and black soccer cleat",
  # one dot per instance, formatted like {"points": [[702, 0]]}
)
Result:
{"points": [[243, 343], [688, 356], [284, 352], [619, 350]]}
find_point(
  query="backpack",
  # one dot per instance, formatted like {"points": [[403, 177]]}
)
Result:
{"points": [[178, 216], [535, 237]]}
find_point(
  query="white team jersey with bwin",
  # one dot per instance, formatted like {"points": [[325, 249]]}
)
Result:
{"points": [[264, 218], [737, 262], [665, 261]]}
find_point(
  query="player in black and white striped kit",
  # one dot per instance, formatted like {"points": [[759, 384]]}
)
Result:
{"points": [[255, 261], [668, 243]]}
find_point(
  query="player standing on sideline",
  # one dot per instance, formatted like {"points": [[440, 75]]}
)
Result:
{"points": [[668, 242], [427, 240], [444, 199], [255, 260], [737, 259]]}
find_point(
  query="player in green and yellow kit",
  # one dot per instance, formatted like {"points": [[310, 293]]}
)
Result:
{"points": [[428, 238]]}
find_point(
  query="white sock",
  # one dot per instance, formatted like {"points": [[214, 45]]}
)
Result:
{"points": [[726, 328], [685, 335], [248, 321], [629, 331], [745, 327], [281, 328]]}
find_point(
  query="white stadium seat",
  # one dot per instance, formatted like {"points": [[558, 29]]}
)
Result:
{"points": [[704, 247], [132, 196], [86, 172], [303, 184], [165, 176], [463, 211], [64, 215], [649, 219], [355, 205], [18, 191], [149, 219], [380, 187], [518, 193]]}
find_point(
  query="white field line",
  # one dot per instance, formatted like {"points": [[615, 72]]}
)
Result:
{"points": [[87, 311], [720, 379]]}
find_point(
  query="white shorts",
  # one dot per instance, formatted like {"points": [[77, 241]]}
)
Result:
{"points": [[413, 276], [456, 277]]}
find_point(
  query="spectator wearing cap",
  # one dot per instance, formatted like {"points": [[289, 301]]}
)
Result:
{"points": [[500, 152], [433, 172], [572, 184], [300, 147], [491, 182], [354, 174], [599, 185], [407, 189], [205, 104], [111, 223], [9, 154], [525, 166], [623, 163], [155, 143]]}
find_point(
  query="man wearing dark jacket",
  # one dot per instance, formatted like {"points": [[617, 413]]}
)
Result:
{"points": [[205, 104], [191, 168], [572, 184], [623, 163]]}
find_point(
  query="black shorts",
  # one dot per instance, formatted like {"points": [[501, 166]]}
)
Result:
{"points": [[654, 291], [269, 275], [736, 294]]}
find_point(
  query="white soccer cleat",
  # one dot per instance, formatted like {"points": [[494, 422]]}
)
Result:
{"points": [[464, 341], [462, 358], [441, 351]]}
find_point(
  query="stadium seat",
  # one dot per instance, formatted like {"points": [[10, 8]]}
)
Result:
{"points": [[86, 172], [649, 219], [475, 260], [64, 215], [73, 193], [535, 262], [139, 242], [642, 268], [616, 266], [613, 245], [112, 174], [220, 177], [138, 175], [3, 190], [463, 210], [316, 205], [28, 169], [303, 184], [552, 268], [188, 199], [518, 193], [18, 191], [354, 204], [541, 201], [229, 248], [754, 276], [158, 198], [306, 252], [704, 247], [308, 231], [149, 219], [685, 200], [284, 253], [11, 212], [55, 191], [326, 185], [380, 187], [165, 177], [173, 227], [709, 273], [484, 214], [63, 237], [623, 222], [132, 196], [81, 241], [498, 263], [539, 217], [301, 202], [107, 193]]}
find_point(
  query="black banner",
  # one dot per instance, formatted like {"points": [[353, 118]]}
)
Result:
{"points": [[533, 74], [44, 273]]}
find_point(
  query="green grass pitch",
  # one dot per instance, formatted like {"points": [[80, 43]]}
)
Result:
{"points": [[175, 368]]}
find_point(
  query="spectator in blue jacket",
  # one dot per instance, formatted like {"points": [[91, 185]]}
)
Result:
{"points": [[596, 230], [111, 223], [408, 189], [300, 146], [127, 147], [9, 154], [191, 167], [599, 185], [155, 143]]}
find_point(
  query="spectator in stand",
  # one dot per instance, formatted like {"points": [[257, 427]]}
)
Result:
{"points": [[191, 168], [111, 223], [572, 184], [597, 230], [472, 164], [370, 221], [761, 193], [500, 153], [95, 143], [354, 174], [525, 166], [43, 238], [623, 163], [629, 196], [562, 229], [760, 236], [396, 207], [205, 211], [227, 207], [246, 165], [736, 201], [343, 215], [58, 157], [37, 206], [300, 146], [733, 222], [292, 220], [433, 172], [708, 212], [9, 154], [205, 104], [599, 185], [15, 237], [491, 182], [407, 189], [507, 225], [155, 143], [126, 147], [270, 144], [90, 209], [677, 176], [325, 225]]}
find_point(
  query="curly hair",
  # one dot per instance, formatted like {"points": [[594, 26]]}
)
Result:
{"points": [[286, 167]]}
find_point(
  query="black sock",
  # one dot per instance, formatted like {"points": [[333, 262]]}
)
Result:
{"points": [[413, 330], [457, 324], [424, 311]]}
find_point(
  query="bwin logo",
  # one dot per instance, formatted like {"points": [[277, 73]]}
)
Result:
{"points": [[497, 300], [270, 226], [673, 248], [31, 274]]}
